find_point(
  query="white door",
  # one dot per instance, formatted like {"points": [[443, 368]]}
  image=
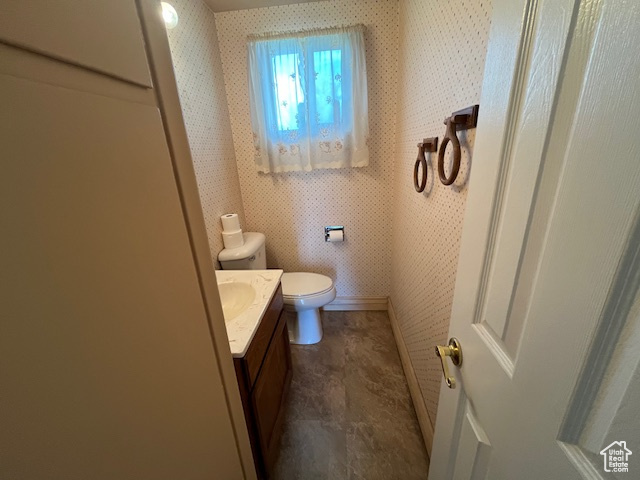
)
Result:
{"points": [[547, 302], [107, 365]]}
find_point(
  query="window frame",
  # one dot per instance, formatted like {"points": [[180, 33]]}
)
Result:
{"points": [[306, 54]]}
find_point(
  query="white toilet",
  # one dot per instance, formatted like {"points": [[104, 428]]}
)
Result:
{"points": [[306, 293]]}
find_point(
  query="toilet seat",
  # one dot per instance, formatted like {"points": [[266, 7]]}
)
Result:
{"points": [[299, 285]]}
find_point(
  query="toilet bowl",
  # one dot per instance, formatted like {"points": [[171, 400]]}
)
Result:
{"points": [[306, 293]]}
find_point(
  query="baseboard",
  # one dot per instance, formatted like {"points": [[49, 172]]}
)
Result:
{"points": [[412, 380], [346, 304]]}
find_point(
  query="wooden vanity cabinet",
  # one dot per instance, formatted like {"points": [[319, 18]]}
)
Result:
{"points": [[264, 376]]}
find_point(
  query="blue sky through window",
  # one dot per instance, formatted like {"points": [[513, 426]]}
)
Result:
{"points": [[288, 91], [328, 85], [290, 98]]}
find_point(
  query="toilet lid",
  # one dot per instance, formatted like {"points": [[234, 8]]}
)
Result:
{"points": [[303, 284]]}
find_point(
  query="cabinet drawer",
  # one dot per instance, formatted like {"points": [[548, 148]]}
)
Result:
{"points": [[256, 352]]}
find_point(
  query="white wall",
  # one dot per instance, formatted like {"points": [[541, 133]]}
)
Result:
{"points": [[442, 49], [198, 70], [292, 209]]}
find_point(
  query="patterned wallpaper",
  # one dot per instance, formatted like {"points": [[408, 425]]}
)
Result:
{"points": [[443, 46], [292, 209], [196, 61]]}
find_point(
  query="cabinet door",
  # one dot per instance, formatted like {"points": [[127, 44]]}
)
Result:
{"points": [[105, 37], [107, 368], [270, 392], [103, 327]]}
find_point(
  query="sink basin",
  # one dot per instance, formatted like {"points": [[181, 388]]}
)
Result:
{"points": [[245, 296], [236, 297]]}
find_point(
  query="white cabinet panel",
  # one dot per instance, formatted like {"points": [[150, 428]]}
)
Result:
{"points": [[107, 368], [105, 36]]}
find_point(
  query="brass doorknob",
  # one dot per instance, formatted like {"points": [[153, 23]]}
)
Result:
{"points": [[453, 350]]}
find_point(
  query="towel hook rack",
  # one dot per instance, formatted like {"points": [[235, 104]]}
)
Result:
{"points": [[428, 145], [460, 120]]}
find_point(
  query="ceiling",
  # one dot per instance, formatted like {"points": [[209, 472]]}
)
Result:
{"points": [[227, 5]]}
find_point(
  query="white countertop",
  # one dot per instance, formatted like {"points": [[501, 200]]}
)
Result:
{"points": [[242, 329]]}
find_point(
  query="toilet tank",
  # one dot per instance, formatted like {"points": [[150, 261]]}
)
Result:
{"points": [[250, 256]]}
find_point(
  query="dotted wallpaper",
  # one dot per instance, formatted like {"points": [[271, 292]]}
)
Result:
{"points": [[443, 46], [399, 243], [291, 209], [198, 70]]}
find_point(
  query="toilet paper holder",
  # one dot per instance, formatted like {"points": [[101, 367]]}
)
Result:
{"points": [[328, 230]]}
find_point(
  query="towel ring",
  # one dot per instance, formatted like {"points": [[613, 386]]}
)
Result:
{"points": [[427, 145], [461, 120], [420, 161], [449, 137]]}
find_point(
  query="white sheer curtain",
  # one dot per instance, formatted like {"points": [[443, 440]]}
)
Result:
{"points": [[308, 94]]}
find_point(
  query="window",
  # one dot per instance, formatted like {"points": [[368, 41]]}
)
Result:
{"points": [[308, 96]]}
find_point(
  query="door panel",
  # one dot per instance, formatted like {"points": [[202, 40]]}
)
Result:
{"points": [[474, 449], [536, 79], [546, 298], [107, 366], [604, 405], [101, 36]]}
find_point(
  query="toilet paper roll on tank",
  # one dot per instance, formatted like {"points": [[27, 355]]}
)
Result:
{"points": [[230, 222], [231, 232]]}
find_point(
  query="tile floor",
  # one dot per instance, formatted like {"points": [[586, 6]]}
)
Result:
{"points": [[349, 413]]}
